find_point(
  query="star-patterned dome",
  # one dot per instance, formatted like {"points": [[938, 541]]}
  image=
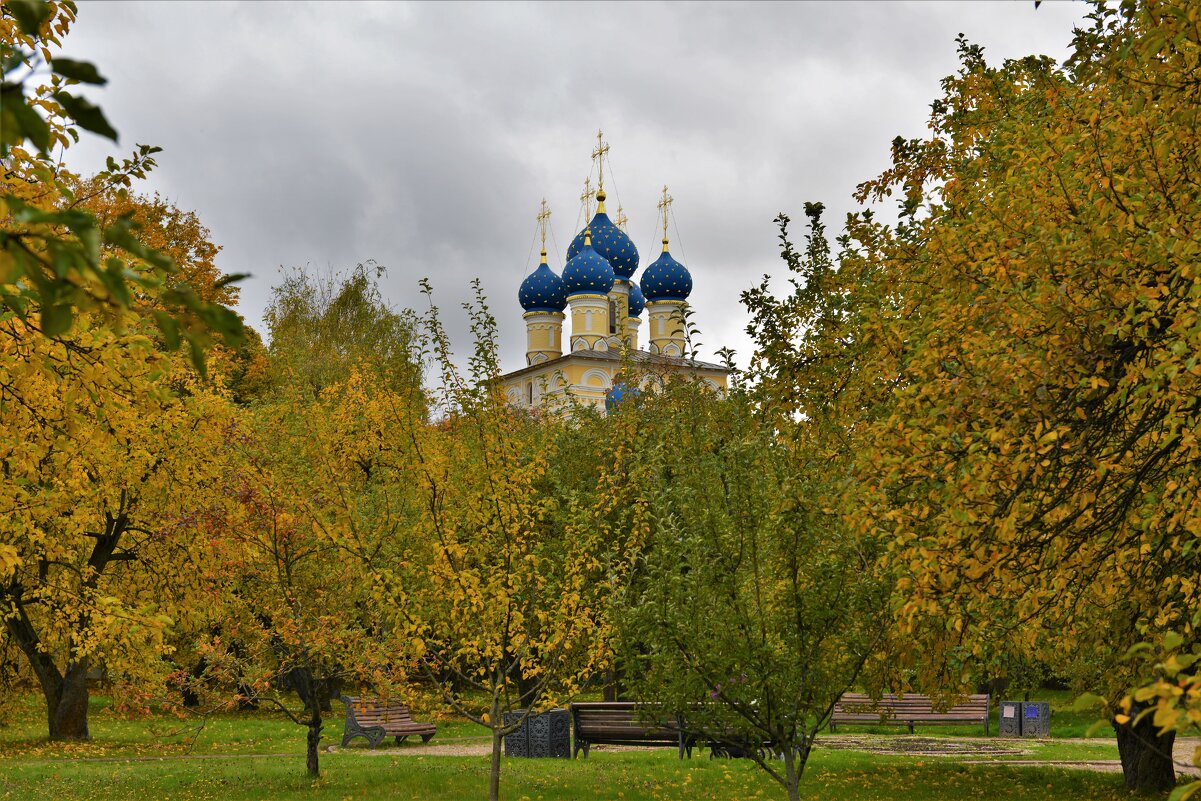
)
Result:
{"points": [[542, 290], [609, 241], [587, 272], [666, 279], [619, 394], [636, 302]]}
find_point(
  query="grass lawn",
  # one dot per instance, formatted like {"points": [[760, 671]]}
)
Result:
{"points": [[627, 775], [262, 732], [163, 757]]}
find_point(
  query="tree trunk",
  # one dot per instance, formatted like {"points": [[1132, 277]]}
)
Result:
{"points": [[314, 735], [611, 689], [68, 708], [1146, 755], [66, 694], [792, 776], [494, 774]]}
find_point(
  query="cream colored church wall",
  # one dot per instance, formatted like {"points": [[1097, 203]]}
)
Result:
{"points": [[588, 381]]}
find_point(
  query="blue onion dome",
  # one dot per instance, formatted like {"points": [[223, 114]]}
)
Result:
{"points": [[609, 241], [637, 301], [587, 272], [619, 394], [542, 290], [666, 279]]}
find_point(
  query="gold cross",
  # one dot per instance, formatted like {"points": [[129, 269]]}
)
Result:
{"points": [[598, 155], [664, 205], [622, 219], [543, 218], [586, 198]]}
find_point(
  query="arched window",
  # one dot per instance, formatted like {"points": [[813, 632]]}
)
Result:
{"points": [[612, 316]]}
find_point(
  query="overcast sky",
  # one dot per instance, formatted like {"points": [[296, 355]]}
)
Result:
{"points": [[423, 136]]}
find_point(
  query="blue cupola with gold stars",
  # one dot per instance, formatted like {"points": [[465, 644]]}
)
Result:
{"points": [[637, 300], [543, 290], [589, 278], [666, 278], [543, 296], [584, 323], [587, 272], [609, 241]]}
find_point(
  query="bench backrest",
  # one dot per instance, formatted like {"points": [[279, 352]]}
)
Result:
{"points": [[911, 706], [375, 712], [623, 720]]}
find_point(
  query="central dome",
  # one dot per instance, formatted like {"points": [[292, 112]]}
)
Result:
{"points": [[609, 241]]}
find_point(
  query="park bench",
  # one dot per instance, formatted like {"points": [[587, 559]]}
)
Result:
{"points": [[376, 719], [908, 709], [625, 723]]}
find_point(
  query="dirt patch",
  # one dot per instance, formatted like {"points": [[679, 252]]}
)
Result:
{"points": [[461, 746], [922, 746]]}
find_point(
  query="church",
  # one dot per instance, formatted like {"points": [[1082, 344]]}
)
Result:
{"points": [[598, 290]]}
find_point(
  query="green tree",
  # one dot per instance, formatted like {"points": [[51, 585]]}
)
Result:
{"points": [[321, 328], [756, 605]]}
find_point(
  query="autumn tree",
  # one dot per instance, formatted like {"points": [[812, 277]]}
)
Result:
{"points": [[296, 611], [104, 468], [1037, 336], [292, 532]]}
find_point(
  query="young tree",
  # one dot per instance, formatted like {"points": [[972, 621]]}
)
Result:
{"points": [[495, 584], [296, 611], [1039, 341], [292, 533]]}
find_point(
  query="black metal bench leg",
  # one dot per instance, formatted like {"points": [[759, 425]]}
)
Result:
{"points": [[425, 738]]}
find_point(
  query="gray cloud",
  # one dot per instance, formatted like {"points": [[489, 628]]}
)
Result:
{"points": [[424, 135]]}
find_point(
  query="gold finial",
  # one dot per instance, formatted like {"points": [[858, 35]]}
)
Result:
{"points": [[598, 155], [664, 206], [586, 198], [622, 219], [543, 219], [588, 237]]}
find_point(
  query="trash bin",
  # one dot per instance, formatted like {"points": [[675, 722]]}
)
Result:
{"points": [[1036, 719], [541, 735], [1010, 724]]}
